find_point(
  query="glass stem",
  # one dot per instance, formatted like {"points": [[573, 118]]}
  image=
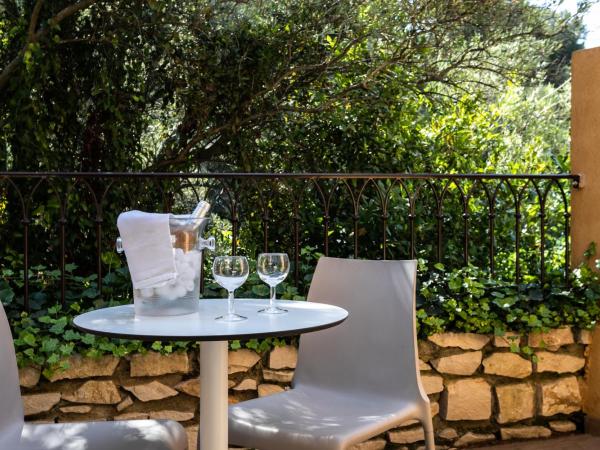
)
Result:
{"points": [[272, 297], [230, 303]]}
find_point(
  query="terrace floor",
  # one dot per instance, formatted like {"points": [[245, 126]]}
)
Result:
{"points": [[576, 442]]}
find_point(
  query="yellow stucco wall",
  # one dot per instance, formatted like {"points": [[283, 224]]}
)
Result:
{"points": [[585, 202], [585, 149]]}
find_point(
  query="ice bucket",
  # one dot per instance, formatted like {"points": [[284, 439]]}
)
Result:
{"points": [[181, 295]]}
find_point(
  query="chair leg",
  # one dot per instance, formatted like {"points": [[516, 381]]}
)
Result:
{"points": [[427, 423]]}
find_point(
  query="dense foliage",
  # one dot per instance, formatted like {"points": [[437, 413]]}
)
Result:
{"points": [[271, 85]]}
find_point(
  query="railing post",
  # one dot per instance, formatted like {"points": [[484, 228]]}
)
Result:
{"points": [[26, 223], [585, 223]]}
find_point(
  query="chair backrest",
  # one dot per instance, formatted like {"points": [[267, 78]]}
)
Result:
{"points": [[11, 406], [375, 349]]}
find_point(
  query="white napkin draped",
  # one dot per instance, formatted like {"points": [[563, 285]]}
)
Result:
{"points": [[147, 244]]}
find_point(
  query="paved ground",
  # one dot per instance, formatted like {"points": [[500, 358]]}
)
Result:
{"points": [[577, 442]]}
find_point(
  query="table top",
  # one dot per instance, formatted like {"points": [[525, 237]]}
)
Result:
{"points": [[302, 317]]}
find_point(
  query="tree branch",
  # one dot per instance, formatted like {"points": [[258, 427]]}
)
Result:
{"points": [[65, 13], [33, 22]]}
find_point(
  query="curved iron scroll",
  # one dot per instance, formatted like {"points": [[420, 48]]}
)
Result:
{"points": [[347, 215]]}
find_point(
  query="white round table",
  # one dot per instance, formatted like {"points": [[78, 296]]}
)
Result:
{"points": [[302, 317]]}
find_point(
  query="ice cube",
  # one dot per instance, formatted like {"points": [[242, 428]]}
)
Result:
{"points": [[167, 292], [147, 292], [180, 291]]}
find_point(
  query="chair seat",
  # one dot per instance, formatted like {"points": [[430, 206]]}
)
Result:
{"points": [[312, 418], [122, 435]]}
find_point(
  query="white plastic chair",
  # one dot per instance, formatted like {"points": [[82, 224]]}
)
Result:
{"points": [[15, 434], [353, 381]]}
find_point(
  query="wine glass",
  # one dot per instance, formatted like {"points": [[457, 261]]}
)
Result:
{"points": [[230, 272], [272, 268]]}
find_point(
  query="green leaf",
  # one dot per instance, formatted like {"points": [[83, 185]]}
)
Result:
{"points": [[590, 251], [157, 346], [49, 345], [7, 295], [88, 339], [54, 309], [59, 325], [29, 339], [90, 293], [71, 335], [53, 359]]}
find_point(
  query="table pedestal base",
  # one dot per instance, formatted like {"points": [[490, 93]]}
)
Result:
{"points": [[214, 396]]}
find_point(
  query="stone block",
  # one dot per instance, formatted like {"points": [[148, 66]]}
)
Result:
{"points": [[242, 360], [467, 399], [178, 416], [95, 392], [153, 390], [284, 357], [585, 336], [432, 383], [583, 387], [280, 376], [79, 409], [524, 432], [560, 396], [551, 340], [126, 403], [29, 376], [465, 363], [132, 416], [82, 367], [423, 366], [465, 341], [373, 444], [507, 364], [247, 384], [448, 433], [562, 426], [406, 436], [558, 362], [435, 408], [152, 364], [507, 339], [471, 438], [269, 389], [427, 349], [190, 387], [515, 402], [39, 403]]}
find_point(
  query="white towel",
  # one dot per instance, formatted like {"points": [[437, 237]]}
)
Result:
{"points": [[147, 243]]}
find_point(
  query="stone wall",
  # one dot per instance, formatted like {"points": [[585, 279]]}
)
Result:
{"points": [[480, 392]]}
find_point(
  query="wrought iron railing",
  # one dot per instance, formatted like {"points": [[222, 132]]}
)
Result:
{"points": [[515, 226]]}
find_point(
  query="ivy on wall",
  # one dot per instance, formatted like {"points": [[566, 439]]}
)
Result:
{"points": [[463, 300]]}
